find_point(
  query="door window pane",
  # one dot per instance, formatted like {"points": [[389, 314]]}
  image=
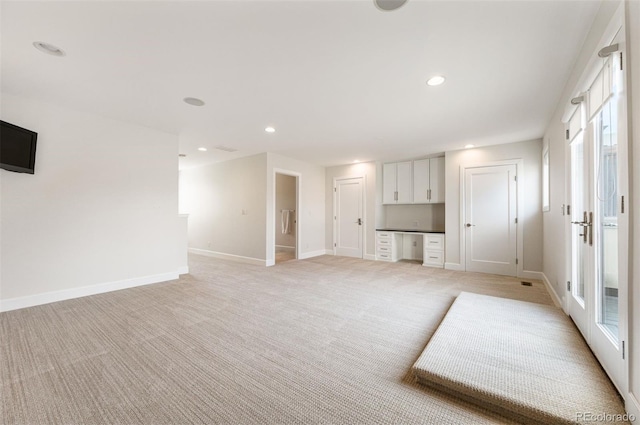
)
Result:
{"points": [[607, 217]]}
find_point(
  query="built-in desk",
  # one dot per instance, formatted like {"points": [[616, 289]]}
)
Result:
{"points": [[409, 244]]}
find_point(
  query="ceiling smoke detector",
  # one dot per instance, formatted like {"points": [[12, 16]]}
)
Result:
{"points": [[193, 101], [47, 48], [225, 149], [388, 5]]}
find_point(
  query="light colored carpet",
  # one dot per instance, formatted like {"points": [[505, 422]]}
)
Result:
{"points": [[325, 340], [527, 361]]}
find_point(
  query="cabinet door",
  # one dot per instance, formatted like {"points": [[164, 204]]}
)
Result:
{"points": [[404, 178], [421, 181], [436, 179], [389, 183]]}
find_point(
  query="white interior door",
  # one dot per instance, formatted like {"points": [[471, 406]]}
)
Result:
{"points": [[490, 219], [348, 217]]}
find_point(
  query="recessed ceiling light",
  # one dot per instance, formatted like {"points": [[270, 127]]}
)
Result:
{"points": [[270, 130], [48, 48], [436, 80], [193, 101], [389, 4], [469, 146], [202, 149]]}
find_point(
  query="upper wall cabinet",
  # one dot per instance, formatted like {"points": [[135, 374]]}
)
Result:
{"points": [[428, 181], [397, 183], [413, 182]]}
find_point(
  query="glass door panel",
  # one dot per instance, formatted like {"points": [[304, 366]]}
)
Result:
{"points": [[578, 230], [607, 219]]}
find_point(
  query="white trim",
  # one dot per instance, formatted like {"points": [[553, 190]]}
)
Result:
{"points": [[312, 254], [454, 266], [554, 295], [329, 252], [83, 291], [369, 257], [183, 270], [232, 257], [286, 248], [632, 405], [528, 274], [519, 163]]}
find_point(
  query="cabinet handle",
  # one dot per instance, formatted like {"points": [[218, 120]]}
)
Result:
{"points": [[429, 194], [395, 195]]}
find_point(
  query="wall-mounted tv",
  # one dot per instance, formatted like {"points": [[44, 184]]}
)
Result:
{"points": [[17, 148]]}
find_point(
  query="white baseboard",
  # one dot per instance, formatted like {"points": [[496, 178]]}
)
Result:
{"points": [[527, 274], [329, 252], [369, 257], [305, 255], [83, 291], [454, 266], [554, 295], [632, 405], [232, 257], [183, 270], [286, 247]]}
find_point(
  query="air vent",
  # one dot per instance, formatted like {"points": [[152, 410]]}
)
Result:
{"points": [[226, 149], [525, 283]]}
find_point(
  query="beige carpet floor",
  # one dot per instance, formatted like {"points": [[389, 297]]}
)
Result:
{"points": [[325, 340], [494, 351]]}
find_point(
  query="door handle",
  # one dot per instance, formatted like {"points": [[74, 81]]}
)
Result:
{"points": [[359, 222], [469, 224]]}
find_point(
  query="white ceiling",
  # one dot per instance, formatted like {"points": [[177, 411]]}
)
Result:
{"points": [[339, 80]]}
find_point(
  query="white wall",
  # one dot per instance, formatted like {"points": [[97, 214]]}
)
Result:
{"points": [[311, 206], [428, 217], [531, 218], [101, 210], [226, 206], [633, 53], [285, 200], [368, 171]]}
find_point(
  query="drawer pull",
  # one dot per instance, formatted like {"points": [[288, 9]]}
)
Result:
{"points": [[435, 258]]}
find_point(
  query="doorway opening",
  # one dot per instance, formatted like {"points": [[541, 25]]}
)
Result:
{"points": [[286, 218]]}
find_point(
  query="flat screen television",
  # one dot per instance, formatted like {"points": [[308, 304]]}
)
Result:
{"points": [[17, 148]]}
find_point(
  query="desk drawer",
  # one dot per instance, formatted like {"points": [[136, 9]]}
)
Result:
{"points": [[435, 242], [383, 242], [384, 249], [435, 258], [384, 256]]}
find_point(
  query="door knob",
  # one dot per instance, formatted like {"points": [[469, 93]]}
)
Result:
{"points": [[360, 222], [469, 224]]}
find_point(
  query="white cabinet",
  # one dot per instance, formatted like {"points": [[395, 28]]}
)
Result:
{"points": [[397, 181], [428, 181], [413, 182], [433, 250], [387, 247]]}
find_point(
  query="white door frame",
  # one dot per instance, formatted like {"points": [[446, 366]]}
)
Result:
{"points": [[519, 163], [364, 211], [297, 215]]}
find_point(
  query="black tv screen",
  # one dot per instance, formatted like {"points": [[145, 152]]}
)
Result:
{"points": [[17, 148]]}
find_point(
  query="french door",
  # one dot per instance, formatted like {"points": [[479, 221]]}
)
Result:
{"points": [[599, 224]]}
